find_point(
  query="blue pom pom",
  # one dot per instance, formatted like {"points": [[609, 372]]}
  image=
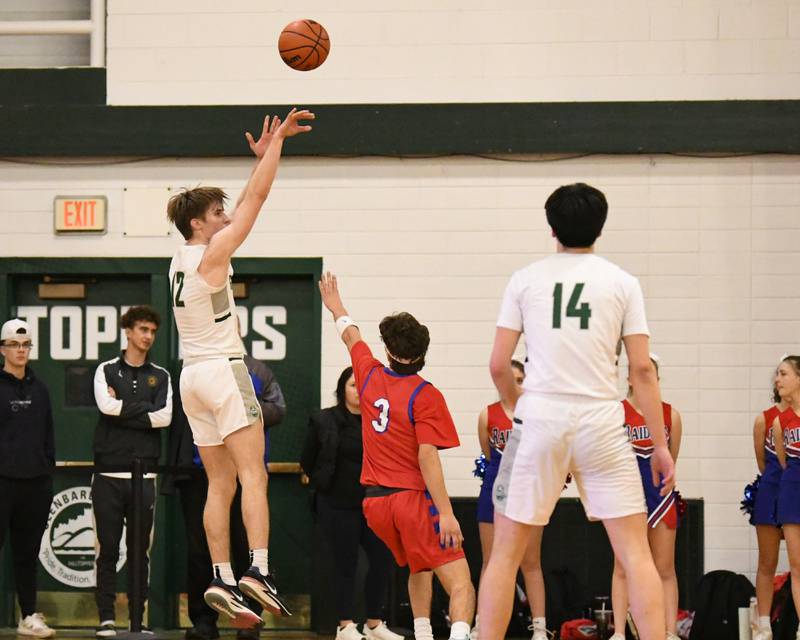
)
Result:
{"points": [[480, 467], [749, 500]]}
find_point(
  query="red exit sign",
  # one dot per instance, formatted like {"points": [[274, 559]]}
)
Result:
{"points": [[79, 214]]}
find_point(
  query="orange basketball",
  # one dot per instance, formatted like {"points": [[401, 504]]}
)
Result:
{"points": [[304, 44]]}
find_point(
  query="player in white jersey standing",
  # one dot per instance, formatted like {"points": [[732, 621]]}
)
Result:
{"points": [[216, 390], [573, 307]]}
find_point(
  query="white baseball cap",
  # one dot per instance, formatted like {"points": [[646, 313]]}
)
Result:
{"points": [[15, 328]]}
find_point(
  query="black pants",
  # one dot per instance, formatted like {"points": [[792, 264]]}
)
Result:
{"points": [[198, 559], [112, 502], [24, 508], [346, 530]]}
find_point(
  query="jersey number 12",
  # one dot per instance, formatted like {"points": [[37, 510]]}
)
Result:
{"points": [[584, 311], [177, 289]]}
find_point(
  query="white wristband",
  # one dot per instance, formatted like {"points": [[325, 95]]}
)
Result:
{"points": [[342, 322]]}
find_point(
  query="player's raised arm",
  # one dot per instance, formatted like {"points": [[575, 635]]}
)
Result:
{"points": [[329, 290], [214, 266], [645, 384]]}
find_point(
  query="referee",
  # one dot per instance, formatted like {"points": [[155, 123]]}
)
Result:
{"points": [[134, 397]]}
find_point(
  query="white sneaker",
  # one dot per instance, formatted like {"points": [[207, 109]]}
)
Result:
{"points": [[350, 632], [34, 625], [474, 633], [672, 636], [381, 632], [539, 634], [763, 634], [617, 636]]}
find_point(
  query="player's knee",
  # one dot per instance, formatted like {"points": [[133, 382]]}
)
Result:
{"points": [[665, 568], [253, 476], [768, 563], [531, 565], [462, 591], [222, 486]]}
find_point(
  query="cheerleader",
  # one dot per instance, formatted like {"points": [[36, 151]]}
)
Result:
{"points": [[494, 428], [662, 514], [786, 436], [765, 505]]}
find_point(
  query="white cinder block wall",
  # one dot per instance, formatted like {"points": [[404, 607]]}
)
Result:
{"points": [[195, 52], [714, 242]]}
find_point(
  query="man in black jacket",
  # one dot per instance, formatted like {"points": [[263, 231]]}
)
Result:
{"points": [[134, 397], [193, 488], [27, 459]]}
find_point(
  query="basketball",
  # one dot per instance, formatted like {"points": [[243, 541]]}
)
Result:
{"points": [[304, 44]]}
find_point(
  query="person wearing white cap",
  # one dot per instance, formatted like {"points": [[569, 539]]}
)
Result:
{"points": [[27, 460]]}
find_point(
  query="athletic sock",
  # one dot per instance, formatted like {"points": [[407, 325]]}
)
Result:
{"points": [[539, 623], [423, 629], [223, 571], [763, 623], [459, 631], [259, 559]]}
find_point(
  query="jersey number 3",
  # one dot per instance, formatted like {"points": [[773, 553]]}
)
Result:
{"points": [[584, 311], [177, 289], [382, 423]]}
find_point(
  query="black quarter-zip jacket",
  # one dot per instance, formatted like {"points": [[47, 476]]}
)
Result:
{"points": [[129, 424], [27, 441]]}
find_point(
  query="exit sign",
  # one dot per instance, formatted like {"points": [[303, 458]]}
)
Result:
{"points": [[79, 214]]}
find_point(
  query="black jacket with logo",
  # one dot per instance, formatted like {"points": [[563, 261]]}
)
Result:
{"points": [[27, 442], [130, 419]]}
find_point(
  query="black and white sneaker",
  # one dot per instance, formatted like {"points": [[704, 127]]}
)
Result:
{"points": [[107, 629], [262, 589], [228, 600]]}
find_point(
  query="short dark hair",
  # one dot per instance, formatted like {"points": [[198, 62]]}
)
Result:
{"points": [[341, 384], [576, 213], [516, 364], [141, 313], [405, 338], [184, 207]]}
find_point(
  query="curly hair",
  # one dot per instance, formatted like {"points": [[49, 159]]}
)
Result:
{"points": [[405, 338], [141, 313]]}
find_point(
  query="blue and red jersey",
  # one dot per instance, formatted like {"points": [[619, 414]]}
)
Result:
{"points": [[639, 433], [398, 413]]}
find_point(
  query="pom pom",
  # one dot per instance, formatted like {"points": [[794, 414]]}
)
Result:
{"points": [[480, 467], [681, 505], [749, 500]]}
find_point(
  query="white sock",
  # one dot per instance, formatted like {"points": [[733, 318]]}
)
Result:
{"points": [[423, 629], [539, 624], [259, 559], [763, 623], [223, 571], [459, 631]]}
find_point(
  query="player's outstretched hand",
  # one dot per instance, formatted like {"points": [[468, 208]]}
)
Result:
{"points": [[329, 290], [450, 532], [663, 467], [259, 147], [291, 126]]}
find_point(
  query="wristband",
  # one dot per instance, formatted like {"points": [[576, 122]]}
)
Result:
{"points": [[342, 322]]}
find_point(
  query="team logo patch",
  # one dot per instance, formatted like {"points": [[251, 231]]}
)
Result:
{"points": [[254, 410], [67, 550], [499, 492], [152, 381]]}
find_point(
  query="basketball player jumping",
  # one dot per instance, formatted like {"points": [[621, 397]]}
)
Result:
{"points": [[573, 307], [216, 389], [405, 421]]}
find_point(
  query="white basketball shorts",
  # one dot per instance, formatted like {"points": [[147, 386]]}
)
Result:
{"points": [[559, 434], [218, 399]]}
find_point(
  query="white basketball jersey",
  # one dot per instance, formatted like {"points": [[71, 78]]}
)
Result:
{"points": [[205, 315], [573, 309]]}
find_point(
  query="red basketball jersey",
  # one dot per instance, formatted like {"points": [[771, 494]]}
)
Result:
{"points": [[790, 423], [638, 431], [398, 413], [499, 426], [769, 417]]}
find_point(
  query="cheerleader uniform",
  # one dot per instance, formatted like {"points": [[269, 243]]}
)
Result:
{"points": [[789, 489], [659, 508], [499, 427], [766, 500]]}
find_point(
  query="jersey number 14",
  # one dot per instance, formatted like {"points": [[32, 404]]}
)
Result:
{"points": [[584, 311]]}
